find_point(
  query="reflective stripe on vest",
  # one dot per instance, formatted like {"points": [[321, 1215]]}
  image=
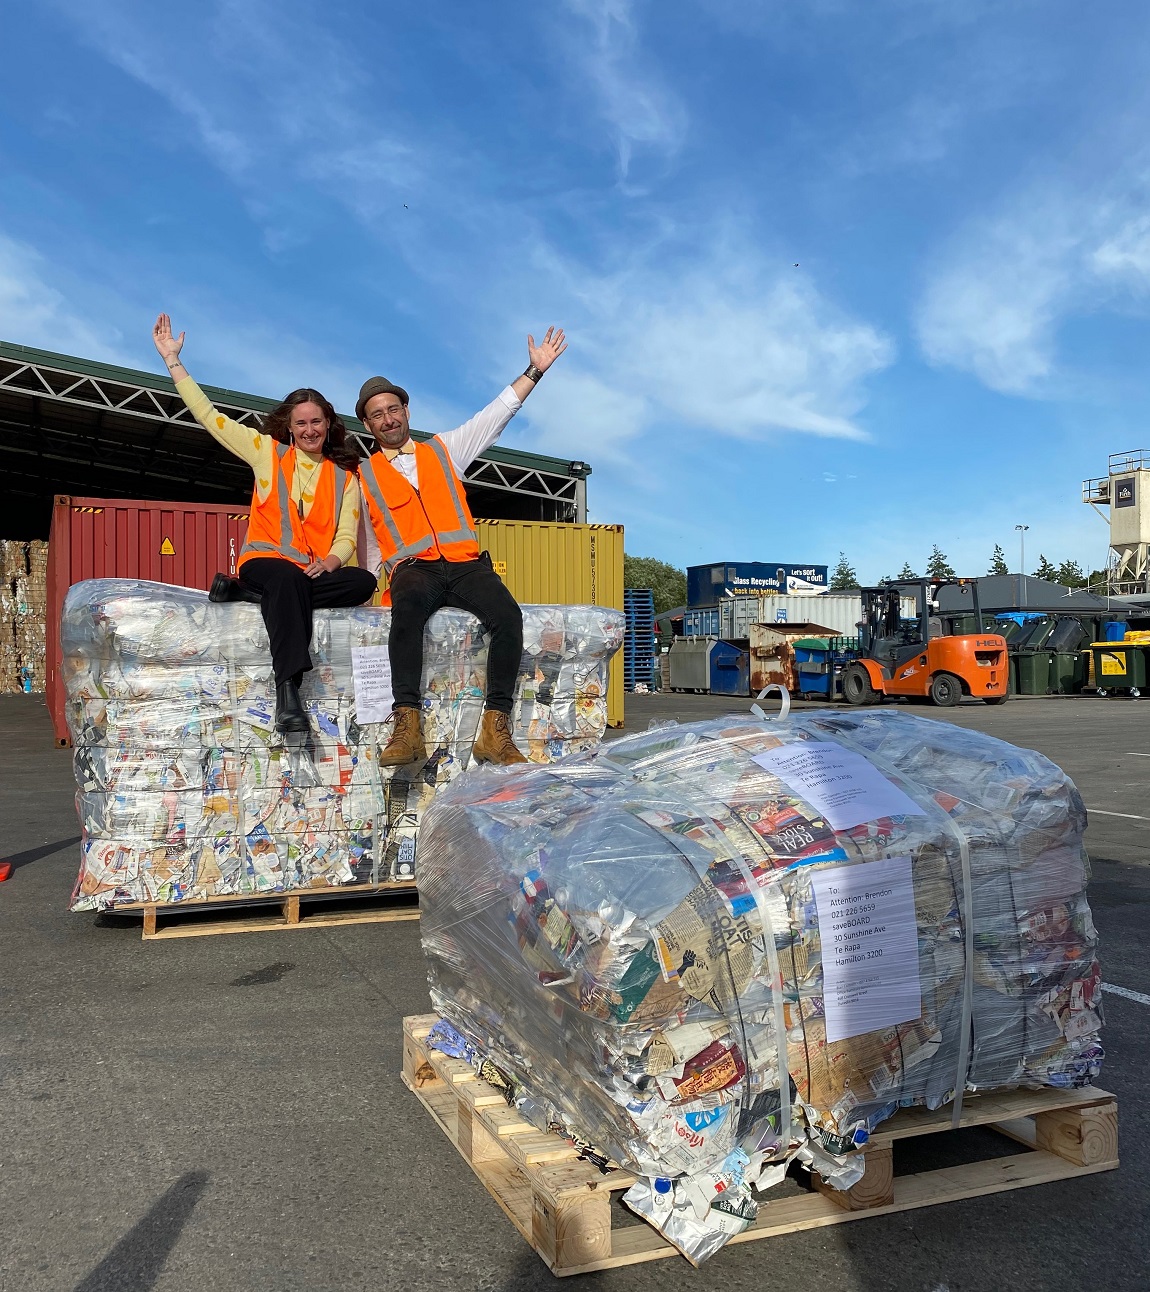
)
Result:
{"points": [[340, 485], [424, 542], [367, 475], [462, 534], [286, 546]]}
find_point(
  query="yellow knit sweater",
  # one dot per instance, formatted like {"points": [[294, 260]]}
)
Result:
{"points": [[257, 450]]}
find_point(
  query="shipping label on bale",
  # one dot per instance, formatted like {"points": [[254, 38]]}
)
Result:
{"points": [[843, 787], [870, 946], [371, 673]]}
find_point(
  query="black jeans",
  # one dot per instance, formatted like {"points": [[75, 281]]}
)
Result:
{"points": [[288, 596], [419, 589]]}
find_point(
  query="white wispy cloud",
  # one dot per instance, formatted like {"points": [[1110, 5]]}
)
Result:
{"points": [[270, 95], [899, 20], [680, 331], [1001, 289], [93, 316], [36, 312], [1124, 255], [604, 51], [716, 341]]}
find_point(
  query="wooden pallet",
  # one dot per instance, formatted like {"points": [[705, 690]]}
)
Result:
{"points": [[314, 908], [562, 1206]]}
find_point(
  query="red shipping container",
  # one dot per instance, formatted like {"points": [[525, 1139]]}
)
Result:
{"points": [[120, 538]]}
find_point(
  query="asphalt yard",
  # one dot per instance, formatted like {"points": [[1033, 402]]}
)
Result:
{"points": [[225, 1112]]}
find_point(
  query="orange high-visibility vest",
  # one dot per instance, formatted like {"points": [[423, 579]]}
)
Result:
{"points": [[431, 522], [275, 527]]}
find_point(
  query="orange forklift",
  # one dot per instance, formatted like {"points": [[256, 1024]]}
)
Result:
{"points": [[916, 658]]}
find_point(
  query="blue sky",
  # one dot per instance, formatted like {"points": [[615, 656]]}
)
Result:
{"points": [[866, 275]]}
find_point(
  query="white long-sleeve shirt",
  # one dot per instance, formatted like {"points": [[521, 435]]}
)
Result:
{"points": [[466, 442], [464, 445]]}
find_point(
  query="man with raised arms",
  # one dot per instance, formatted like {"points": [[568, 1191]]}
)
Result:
{"points": [[429, 553]]}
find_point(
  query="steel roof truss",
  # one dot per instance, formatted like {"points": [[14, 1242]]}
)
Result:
{"points": [[108, 395]]}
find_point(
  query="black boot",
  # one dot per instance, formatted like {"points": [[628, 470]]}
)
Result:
{"points": [[225, 588], [290, 715]]}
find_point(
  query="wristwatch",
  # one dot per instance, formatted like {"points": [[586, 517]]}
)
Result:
{"points": [[533, 373]]}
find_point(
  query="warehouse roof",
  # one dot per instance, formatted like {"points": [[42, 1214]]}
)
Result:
{"points": [[1010, 592], [78, 426]]}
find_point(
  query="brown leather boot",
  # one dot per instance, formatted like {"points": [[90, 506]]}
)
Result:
{"points": [[406, 743], [494, 743]]}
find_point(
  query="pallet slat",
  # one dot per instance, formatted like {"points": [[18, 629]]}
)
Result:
{"points": [[561, 1205], [254, 913]]}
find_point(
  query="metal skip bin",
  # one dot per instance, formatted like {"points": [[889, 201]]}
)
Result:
{"points": [[1119, 666], [730, 670], [773, 653], [690, 663]]}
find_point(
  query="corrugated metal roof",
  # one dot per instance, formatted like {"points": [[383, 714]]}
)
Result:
{"points": [[1004, 592], [257, 403]]}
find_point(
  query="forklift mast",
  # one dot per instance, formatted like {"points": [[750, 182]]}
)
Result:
{"points": [[882, 608]]}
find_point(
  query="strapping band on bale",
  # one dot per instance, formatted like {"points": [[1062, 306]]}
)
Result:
{"points": [[780, 1021], [379, 819], [776, 983], [932, 809], [241, 823]]}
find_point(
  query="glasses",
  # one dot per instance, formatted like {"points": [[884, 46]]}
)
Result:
{"points": [[392, 410]]}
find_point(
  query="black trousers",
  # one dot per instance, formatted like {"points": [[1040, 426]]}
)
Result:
{"points": [[419, 589], [287, 598]]}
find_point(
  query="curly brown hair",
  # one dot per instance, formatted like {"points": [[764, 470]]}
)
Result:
{"points": [[337, 447]]}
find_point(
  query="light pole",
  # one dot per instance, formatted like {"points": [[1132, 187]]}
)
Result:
{"points": [[1022, 563]]}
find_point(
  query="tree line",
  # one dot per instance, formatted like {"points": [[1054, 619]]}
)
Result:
{"points": [[1069, 574], [938, 566]]}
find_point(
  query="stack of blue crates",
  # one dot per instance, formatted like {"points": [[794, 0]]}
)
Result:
{"points": [[639, 643]]}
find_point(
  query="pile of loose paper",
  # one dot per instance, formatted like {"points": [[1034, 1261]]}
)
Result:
{"points": [[705, 950], [186, 792]]}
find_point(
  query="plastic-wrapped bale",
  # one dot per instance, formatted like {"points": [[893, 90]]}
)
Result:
{"points": [[638, 941], [186, 792]]}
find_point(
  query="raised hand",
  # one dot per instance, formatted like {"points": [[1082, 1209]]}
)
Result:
{"points": [[548, 350], [168, 345]]}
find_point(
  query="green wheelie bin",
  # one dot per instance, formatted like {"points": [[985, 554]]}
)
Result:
{"points": [[1119, 666], [1068, 671], [1034, 671]]}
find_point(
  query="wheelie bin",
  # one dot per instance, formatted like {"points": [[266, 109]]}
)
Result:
{"points": [[1033, 671], [814, 666], [1119, 666], [1068, 671]]}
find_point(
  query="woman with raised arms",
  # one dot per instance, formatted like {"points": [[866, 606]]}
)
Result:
{"points": [[304, 520]]}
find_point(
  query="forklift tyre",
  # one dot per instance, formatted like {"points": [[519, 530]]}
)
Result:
{"points": [[945, 690], [856, 686], [994, 699]]}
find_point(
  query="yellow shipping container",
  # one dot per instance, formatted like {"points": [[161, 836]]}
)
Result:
{"points": [[546, 563]]}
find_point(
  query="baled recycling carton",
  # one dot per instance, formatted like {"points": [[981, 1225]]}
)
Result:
{"points": [[704, 950], [186, 791]]}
